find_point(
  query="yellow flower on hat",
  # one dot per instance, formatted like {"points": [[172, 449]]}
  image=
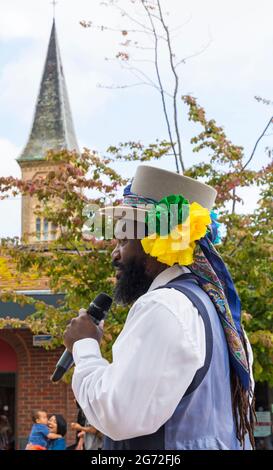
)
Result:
{"points": [[199, 220], [178, 246]]}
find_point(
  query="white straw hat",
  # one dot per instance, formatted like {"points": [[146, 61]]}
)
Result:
{"points": [[151, 184]]}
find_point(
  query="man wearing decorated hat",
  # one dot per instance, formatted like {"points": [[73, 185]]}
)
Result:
{"points": [[181, 372]]}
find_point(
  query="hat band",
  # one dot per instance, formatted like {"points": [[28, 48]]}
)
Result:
{"points": [[135, 200]]}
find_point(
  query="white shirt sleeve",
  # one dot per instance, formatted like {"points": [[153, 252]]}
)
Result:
{"points": [[154, 361]]}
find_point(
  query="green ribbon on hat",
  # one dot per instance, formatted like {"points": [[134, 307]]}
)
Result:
{"points": [[162, 218]]}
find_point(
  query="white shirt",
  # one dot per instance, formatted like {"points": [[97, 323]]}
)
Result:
{"points": [[155, 358]]}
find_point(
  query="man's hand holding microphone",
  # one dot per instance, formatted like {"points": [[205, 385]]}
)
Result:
{"points": [[82, 327], [89, 324]]}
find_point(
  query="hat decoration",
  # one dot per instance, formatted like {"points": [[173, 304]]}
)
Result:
{"points": [[174, 225], [178, 244]]}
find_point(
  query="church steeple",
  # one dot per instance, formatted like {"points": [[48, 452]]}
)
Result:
{"points": [[52, 129], [52, 125]]}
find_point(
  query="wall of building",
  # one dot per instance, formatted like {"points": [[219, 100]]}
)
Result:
{"points": [[34, 390], [30, 171]]}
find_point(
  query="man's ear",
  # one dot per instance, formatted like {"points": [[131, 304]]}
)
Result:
{"points": [[149, 265]]}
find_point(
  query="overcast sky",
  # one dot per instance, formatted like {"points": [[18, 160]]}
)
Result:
{"points": [[235, 66]]}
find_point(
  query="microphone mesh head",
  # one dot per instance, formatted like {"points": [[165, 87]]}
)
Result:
{"points": [[103, 301]]}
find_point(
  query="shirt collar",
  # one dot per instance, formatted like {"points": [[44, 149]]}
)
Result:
{"points": [[168, 275]]}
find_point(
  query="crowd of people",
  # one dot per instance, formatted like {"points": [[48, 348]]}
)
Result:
{"points": [[48, 432]]}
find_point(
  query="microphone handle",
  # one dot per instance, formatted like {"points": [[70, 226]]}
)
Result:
{"points": [[66, 360]]}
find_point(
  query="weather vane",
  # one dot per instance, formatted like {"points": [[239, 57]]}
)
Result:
{"points": [[54, 3]]}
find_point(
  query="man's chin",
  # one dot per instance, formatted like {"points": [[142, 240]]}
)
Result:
{"points": [[132, 283]]}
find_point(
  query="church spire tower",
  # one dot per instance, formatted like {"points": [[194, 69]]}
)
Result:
{"points": [[52, 126], [52, 129]]}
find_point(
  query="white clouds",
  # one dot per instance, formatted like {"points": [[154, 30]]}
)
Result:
{"points": [[83, 60], [20, 19], [10, 210], [8, 153], [237, 57], [249, 196], [18, 91], [10, 218]]}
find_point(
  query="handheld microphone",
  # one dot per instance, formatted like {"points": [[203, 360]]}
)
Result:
{"points": [[97, 310]]}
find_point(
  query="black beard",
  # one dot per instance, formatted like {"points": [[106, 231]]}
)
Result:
{"points": [[133, 282]]}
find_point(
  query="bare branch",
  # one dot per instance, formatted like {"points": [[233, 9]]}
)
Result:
{"points": [[143, 48], [160, 83], [142, 60], [154, 85], [135, 69], [249, 160], [178, 28], [118, 87], [131, 18], [233, 201], [176, 85], [257, 142], [114, 30], [184, 60]]}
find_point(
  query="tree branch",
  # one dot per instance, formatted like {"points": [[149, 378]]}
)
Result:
{"points": [[120, 87], [176, 85], [135, 71], [182, 61], [257, 142], [160, 83], [233, 201], [237, 246]]}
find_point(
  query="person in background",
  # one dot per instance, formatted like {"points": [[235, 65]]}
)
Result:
{"points": [[57, 425], [92, 438], [5, 434], [40, 434], [79, 440]]}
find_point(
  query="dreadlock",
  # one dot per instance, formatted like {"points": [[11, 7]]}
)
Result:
{"points": [[243, 406]]}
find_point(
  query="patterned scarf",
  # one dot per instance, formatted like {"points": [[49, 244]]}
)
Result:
{"points": [[215, 279]]}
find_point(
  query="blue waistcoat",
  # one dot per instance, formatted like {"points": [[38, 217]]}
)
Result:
{"points": [[203, 419]]}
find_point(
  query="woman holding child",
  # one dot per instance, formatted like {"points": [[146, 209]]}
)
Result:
{"points": [[47, 434]]}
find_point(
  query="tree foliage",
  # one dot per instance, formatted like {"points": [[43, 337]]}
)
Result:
{"points": [[80, 267], [247, 245]]}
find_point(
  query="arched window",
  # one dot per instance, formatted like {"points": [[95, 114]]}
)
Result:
{"points": [[38, 228], [45, 229]]}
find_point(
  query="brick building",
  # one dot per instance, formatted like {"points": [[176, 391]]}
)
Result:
{"points": [[25, 367]]}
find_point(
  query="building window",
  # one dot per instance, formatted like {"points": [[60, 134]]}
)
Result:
{"points": [[45, 229], [53, 231], [38, 228]]}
